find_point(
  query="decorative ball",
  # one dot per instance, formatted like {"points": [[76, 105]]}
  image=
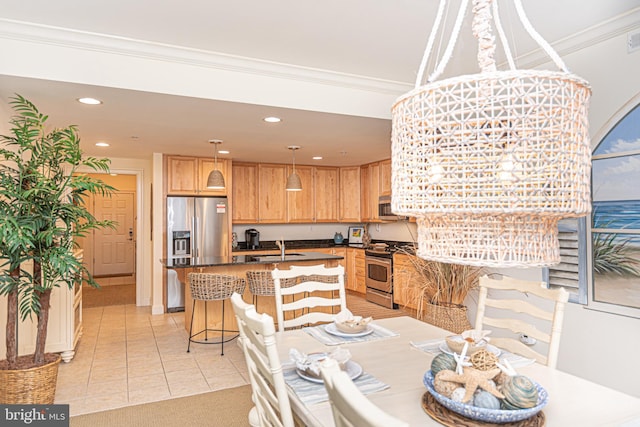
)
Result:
{"points": [[519, 393], [444, 387], [443, 361], [484, 360], [484, 399], [458, 394]]}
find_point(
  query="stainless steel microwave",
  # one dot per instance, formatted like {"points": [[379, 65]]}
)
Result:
{"points": [[384, 210]]}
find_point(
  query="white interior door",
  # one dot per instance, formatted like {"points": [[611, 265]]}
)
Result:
{"points": [[115, 248]]}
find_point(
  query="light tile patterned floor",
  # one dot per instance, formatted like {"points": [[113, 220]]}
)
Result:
{"points": [[126, 356]]}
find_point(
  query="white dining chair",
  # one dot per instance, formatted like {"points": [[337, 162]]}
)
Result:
{"points": [[316, 297], [511, 313], [269, 392], [350, 407]]}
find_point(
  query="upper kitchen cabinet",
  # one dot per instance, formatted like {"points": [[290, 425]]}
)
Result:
{"points": [[349, 194], [188, 175], [301, 204], [245, 191], [272, 197], [385, 177], [370, 191], [326, 181]]}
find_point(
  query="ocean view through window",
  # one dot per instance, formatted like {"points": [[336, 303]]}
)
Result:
{"points": [[615, 222]]}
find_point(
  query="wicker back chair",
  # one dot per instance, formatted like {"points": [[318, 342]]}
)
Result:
{"points": [[261, 284], [207, 287]]}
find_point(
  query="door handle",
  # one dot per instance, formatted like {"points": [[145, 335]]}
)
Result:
{"points": [[130, 233]]}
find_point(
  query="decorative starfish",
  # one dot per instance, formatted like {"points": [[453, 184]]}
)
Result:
{"points": [[472, 379], [459, 358], [507, 368]]}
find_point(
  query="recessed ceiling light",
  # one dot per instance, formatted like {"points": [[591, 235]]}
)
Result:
{"points": [[102, 144], [317, 157], [272, 119], [223, 151], [89, 101]]}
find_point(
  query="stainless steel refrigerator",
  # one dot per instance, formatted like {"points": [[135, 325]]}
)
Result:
{"points": [[196, 228]]}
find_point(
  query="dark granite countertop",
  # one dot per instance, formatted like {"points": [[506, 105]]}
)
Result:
{"points": [[270, 245], [310, 244], [256, 258]]}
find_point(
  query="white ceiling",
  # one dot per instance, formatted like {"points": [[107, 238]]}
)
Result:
{"points": [[360, 39]]}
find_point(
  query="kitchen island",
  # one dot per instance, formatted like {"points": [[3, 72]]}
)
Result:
{"points": [[237, 265]]}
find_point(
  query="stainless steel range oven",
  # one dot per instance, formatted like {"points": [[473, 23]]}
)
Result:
{"points": [[379, 277]]}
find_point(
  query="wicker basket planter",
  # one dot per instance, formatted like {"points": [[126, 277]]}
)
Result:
{"points": [[451, 317], [30, 386]]}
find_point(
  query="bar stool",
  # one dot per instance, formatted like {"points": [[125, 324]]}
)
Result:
{"points": [[261, 284], [212, 287]]}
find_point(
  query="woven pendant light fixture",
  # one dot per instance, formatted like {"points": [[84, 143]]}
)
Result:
{"points": [[293, 182], [488, 163], [215, 181]]}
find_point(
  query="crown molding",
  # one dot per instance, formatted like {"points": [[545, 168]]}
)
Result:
{"points": [[75, 39], [584, 39]]}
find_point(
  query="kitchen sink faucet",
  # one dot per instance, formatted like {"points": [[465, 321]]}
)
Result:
{"points": [[280, 244]]}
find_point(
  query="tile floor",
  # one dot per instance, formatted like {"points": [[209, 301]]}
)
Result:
{"points": [[126, 356]]}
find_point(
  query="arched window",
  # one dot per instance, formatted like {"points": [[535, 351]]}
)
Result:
{"points": [[601, 254], [615, 223]]}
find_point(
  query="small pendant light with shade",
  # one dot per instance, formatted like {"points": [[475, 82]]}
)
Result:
{"points": [[215, 181], [293, 182]]}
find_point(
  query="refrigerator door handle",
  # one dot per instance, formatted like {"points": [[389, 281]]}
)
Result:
{"points": [[194, 238]]}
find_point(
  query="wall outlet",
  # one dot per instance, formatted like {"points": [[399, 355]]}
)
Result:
{"points": [[526, 339]]}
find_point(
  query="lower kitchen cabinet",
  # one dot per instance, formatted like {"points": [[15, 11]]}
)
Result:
{"points": [[406, 281], [356, 271]]}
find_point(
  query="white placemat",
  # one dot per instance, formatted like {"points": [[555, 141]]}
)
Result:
{"points": [[319, 333], [311, 393]]}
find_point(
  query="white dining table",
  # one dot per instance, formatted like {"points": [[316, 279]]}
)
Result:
{"points": [[573, 401]]}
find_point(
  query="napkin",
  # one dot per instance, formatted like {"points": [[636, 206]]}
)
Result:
{"points": [[476, 336], [310, 363], [345, 316]]}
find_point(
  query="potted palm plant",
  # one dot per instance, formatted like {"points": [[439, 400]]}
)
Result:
{"points": [[43, 213], [439, 291]]}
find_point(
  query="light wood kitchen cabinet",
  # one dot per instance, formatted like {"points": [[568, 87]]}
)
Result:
{"points": [[370, 191], [301, 204], [385, 177], [349, 194], [355, 277], [188, 175], [360, 271], [245, 193], [326, 181], [365, 197], [272, 197], [406, 281]]}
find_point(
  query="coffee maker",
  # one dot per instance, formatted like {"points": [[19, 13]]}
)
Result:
{"points": [[252, 238]]}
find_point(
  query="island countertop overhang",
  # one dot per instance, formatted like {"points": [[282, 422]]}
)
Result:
{"points": [[231, 260]]}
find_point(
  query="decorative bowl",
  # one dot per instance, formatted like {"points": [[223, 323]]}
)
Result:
{"points": [[497, 416], [456, 344], [353, 326]]}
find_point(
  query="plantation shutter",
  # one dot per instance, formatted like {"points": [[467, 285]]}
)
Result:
{"points": [[572, 269]]}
